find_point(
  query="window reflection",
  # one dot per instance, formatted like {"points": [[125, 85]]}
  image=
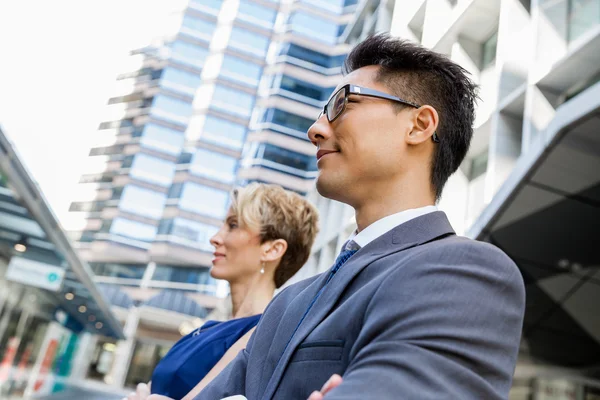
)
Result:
{"points": [[189, 54], [288, 120], [181, 81], [316, 28], [125, 271], [232, 101], [214, 165], [162, 139], [210, 5], [144, 202], [203, 200], [257, 14], [152, 169], [171, 108], [197, 27], [192, 233], [311, 56], [133, 229], [224, 133], [248, 42], [583, 15], [240, 70], [193, 275], [279, 158], [489, 51], [305, 88]]}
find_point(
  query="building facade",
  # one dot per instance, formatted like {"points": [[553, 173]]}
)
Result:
{"points": [[303, 67], [529, 183]]}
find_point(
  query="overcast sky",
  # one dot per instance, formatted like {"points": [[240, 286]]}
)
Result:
{"points": [[58, 64]]}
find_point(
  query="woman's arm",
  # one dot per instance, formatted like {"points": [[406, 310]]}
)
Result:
{"points": [[229, 355]]}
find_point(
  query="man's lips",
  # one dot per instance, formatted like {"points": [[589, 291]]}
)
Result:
{"points": [[322, 153]]}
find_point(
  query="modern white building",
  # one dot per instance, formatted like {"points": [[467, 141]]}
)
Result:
{"points": [[531, 181]]}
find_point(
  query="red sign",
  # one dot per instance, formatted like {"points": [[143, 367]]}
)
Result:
{"points": [[46, 363], [23, 363], [9, 357]]}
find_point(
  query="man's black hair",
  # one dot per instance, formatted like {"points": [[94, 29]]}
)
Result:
{"points": [[423, 76]]}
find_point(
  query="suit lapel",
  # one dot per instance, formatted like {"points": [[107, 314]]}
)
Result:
{"points": [[410, 234]]}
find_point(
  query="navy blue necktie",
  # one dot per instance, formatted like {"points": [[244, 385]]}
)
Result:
{"points": [[348, 250]]}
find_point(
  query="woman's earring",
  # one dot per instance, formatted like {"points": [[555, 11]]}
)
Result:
{"points": [[262, 270]]}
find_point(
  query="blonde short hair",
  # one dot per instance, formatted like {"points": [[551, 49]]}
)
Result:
{"points": [[277, 213]]}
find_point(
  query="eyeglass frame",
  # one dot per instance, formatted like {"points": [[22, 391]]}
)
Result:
{"points": [[362, 91]]}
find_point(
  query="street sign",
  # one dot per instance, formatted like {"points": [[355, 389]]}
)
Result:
{"points": [[35, 273]]}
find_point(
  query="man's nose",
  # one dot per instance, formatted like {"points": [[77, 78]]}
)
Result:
{"points": [[320, 130]]}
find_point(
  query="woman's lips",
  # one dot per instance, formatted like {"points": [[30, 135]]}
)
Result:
{"points": [[217, 257]]}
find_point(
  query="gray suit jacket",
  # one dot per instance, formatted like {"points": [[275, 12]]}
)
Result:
{"points": [[418, 313]]}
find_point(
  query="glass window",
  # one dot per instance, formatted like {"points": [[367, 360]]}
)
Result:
{"points": [[171, 108], [305, 89], [214, 165], [152, 169], [232, 101], [583, 15], [133, 229], [287, 119], [489, 51], [212, 5], [289, 158], [249, 42], [311, 56], [223, 133], [241, 70], [144, 202], [331, 5], [198, 27], [180, 81], [196, 232], [255, 13], [126, 271], [189, 54], [182, 274], [479, 165], [162, 139], [316, 28], [203, 200]]}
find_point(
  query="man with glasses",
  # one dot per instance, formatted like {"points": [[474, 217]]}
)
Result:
{"points": [[409, 310]]}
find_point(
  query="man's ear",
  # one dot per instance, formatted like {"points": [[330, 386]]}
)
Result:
{"points": [[425, 123]]}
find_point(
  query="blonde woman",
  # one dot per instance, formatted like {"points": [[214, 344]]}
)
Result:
{"points": [[265, 239]]}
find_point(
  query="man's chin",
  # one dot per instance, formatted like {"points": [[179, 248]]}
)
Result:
{"points": [[330, 190]]}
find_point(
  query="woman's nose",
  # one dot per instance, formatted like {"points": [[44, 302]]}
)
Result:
{"points": [[216, 239]]}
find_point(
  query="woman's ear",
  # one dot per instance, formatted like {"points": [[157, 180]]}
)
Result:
{"points": [[273, 250], [425, 123]]}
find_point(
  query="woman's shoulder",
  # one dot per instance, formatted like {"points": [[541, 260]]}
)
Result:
{"points": [[232, 328]]}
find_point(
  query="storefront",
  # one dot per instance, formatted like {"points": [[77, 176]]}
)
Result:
{"points": [[49, 305]]}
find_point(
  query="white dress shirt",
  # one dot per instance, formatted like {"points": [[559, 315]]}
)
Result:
{"points": [[385, 225]]}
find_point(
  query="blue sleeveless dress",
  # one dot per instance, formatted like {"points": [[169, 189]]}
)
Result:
{"points": [[195, 354]]}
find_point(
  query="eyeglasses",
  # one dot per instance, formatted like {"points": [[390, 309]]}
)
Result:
{"points": [[337, 103]]}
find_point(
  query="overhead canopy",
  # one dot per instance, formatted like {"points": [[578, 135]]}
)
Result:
{"points": [[546, 217], [175, 300], [31, 236], [115, 296]]}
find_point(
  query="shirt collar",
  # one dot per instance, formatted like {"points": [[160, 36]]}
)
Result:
{"points": [[386, 224]]}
